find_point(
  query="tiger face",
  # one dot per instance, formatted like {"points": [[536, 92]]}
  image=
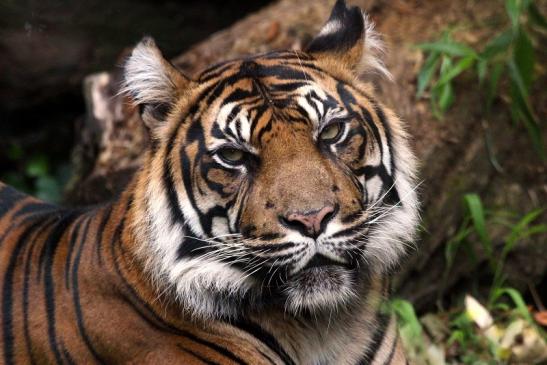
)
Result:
{"points": [[273, 180]]}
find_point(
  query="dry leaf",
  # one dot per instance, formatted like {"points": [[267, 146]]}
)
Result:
{"points": [[541, 317]]}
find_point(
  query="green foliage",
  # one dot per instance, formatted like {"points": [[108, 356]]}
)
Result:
{"points": [[509, 56], [478, 224], [463, 333], [469, 334], [517, 299], [410, 328], [36, 175]]}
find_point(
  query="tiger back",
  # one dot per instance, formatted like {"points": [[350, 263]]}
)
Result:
{"points": [[274, 203]]}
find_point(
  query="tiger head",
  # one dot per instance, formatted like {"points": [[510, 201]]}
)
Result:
{"points": [[272, 180]]}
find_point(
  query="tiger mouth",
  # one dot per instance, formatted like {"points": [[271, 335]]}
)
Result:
{"points": [[319, 260]]}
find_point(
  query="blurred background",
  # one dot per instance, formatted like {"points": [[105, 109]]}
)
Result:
{"points": [[48, 47], [469, 80]]}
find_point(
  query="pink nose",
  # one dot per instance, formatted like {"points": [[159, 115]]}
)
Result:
{"points": [[312, 223]]}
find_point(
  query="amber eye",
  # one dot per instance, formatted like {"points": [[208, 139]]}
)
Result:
{"points": [[231, 155], [331, 132]]}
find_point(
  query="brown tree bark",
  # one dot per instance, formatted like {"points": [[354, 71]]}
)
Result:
{"points": [[452, 151]]}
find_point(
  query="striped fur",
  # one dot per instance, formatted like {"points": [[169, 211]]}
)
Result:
{"points": [[199, 260]]}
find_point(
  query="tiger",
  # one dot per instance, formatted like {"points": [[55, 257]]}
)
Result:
{"points": [[275, 202]]}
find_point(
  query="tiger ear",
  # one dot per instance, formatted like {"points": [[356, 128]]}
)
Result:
{"points": [[153, 83], [348, 38]]}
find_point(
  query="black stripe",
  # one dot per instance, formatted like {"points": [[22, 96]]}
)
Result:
{"points": [[393, 348], [168, 181], [270, 360], [275, 247], [100, 234], [215, 71], [68, 358], [192, 247], [47, 258], [265, 337], [7, 294], [8, 198], [382, 322], [381, 115], [215, 347], [76, 291], [26, 284], [197, 356], [35, 208], [71, 245]]}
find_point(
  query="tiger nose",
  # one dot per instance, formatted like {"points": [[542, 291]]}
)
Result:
{"points": [[309, 223]]}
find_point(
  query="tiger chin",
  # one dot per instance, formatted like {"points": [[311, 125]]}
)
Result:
{"points": [[275, 200]]}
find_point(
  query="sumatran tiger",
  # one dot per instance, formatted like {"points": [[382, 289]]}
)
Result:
{"points": [[275, 200]]}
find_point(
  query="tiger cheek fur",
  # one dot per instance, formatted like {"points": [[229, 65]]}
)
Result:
{"points": [[276, 199]]}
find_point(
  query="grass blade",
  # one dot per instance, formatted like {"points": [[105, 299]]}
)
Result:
{"points": [[458, 68], [521, 106], [476, 211], [449, 48], [513, 10], [524, 58], [497, 70], [427, 72], [497, 45], [517, 299]]}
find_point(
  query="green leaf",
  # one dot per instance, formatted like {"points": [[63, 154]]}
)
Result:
{"points": [[457, 336], [482, 69], [521, 109], [519, 230], [497, 45], [446, 97], [453, 71], [536, 17], [449, 48], [517, 299], [524, 59], [442, 96], [407, 316], [497, 69], [501, 307], [518, 83], [513, 10], [537, 229], [427, 71], [37, 166], [476, 211], [534, 131]]}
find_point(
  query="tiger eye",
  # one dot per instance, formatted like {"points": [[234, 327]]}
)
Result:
{"points": [[232, 155], [330, 132]]}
